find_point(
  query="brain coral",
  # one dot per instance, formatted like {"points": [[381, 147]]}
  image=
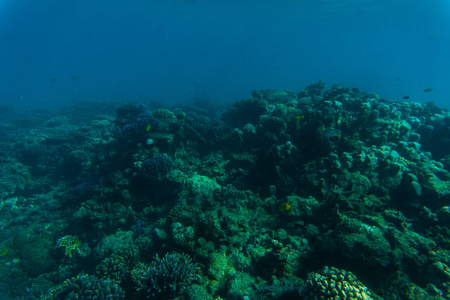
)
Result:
{"points": [[333, 283]]}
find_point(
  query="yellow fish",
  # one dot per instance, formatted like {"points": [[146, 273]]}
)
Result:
{"points": [[297, 118], [148, 127], [284, 207]]}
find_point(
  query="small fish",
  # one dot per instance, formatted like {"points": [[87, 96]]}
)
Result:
{"points": [[52, 80], [393, 110], [284, 207], [406, 97], [297, 118], [331, 133], [74, 77], [148, 128], [355, 90], [428, 90]]}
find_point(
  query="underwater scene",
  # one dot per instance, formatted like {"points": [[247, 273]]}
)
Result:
{"points": [[316, 194], [230, 150]]}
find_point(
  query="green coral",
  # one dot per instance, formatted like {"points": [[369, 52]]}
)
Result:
{"points": [[71, 244]]}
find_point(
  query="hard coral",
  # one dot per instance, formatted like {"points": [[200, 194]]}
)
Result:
{"points": [[140, 125], [128, 112], [333, 283], [167, 276], [245, 111], [157, 166], [87, 287]]}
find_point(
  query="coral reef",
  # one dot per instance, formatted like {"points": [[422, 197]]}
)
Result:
{"points": [[254, 200]]}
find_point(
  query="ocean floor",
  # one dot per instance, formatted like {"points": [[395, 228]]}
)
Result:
{"points": [[317, 194]]}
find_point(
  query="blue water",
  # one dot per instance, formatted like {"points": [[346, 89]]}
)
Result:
{"points": [[54, 53]]}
